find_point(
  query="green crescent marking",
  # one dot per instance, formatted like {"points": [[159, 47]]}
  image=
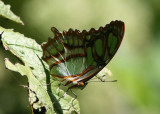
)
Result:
{"points": [[65, 41], [53, 51], [88, 37], [112, 42], [98, 45], [70, 40], [89, 56], [60, 47], [75, 41]]}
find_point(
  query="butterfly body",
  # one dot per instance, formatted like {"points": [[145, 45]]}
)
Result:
{"points": [[75, 57]]}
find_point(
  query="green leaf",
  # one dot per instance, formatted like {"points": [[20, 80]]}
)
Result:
{"points": [[6, 12], [43, 89]]}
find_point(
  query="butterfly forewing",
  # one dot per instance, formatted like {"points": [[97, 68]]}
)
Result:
{"points": [[76, 56]]}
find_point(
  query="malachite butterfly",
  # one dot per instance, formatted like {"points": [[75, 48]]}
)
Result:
{"points": [[75, 57]]}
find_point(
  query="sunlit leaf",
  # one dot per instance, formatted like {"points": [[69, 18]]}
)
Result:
{"points": [[6, 12], [41, 85]]}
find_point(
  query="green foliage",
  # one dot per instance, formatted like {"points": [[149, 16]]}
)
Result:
{"points": [[7, 13]]}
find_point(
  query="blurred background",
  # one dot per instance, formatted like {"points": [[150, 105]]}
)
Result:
{"points": [[136, 65]]}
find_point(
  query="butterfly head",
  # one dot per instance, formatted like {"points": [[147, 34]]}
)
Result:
{"points": [[80, 85]]}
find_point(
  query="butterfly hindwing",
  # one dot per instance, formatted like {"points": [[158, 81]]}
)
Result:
{"points": [[102, 44]]}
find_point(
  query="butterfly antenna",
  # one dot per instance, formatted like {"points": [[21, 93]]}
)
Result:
{"points": [[104, 81], [94, 78]]}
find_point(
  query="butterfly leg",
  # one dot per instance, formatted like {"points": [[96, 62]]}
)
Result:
{"points": [[61, 97], [65, 94], [74, 97]]}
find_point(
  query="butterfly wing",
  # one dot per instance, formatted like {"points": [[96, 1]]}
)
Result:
{"points": [[65, 53], [101, 45], [76, 56]]}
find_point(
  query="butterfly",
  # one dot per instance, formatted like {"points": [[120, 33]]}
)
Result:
{"points": [[75, 57]]}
